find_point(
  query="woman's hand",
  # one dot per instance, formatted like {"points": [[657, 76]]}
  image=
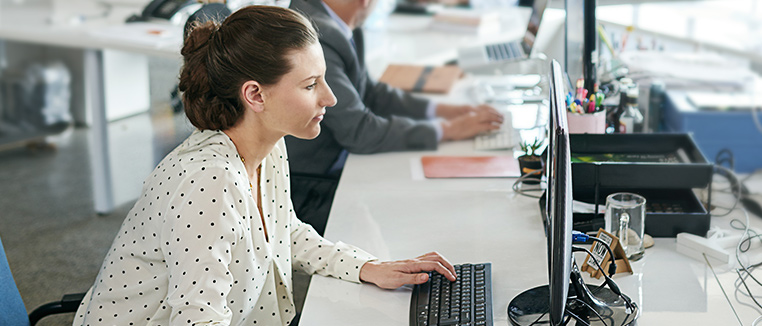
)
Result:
{"points": [[393, 274]]}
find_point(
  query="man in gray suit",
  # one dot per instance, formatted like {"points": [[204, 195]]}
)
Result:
{"points": [[370, 117]]}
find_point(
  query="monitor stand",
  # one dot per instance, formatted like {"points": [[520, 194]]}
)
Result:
{"points": [[594, 305]]}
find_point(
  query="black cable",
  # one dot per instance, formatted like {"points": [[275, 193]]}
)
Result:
{"points": [[593, 310], [730, 176], [725, 155], [538, 318], [745, 244], [520, 180], [743, 281], [747, 231], [606, 280], [612, 267], [579, 319]]}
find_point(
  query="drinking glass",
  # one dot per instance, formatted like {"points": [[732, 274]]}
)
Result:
{"points": [[625, 218]]}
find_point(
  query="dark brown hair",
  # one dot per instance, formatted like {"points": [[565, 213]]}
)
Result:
{"points": [[251, 44]]}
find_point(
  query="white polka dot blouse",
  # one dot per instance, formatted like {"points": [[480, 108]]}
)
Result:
{"points": [[192, 250]]}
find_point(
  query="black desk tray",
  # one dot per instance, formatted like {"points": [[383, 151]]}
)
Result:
{"points": [[668, 212], [638, 161]]}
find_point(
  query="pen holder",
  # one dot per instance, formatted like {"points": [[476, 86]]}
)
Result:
{"points": [[588, 123]]}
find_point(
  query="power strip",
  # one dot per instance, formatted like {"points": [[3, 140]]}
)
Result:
{"points": [[719, 250]]}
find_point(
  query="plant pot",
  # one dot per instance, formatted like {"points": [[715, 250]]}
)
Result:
{"points": [[531, 165]]}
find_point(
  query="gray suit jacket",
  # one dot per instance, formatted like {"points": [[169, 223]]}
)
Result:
{"points": [[370, 117]]}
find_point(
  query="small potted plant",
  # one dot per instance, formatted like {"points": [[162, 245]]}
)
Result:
{"points": [[531, 161]]}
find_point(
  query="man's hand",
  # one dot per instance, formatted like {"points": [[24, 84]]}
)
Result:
{"points": [[481, 119], [448, 111], [393, 274]]}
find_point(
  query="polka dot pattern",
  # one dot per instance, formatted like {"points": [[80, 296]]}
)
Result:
{"points": [[192, 250]]}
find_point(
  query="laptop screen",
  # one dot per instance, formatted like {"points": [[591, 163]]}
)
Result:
{"points": [[538, 8]]}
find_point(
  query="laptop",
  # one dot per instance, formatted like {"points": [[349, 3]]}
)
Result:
{"points": [[507, 51]]}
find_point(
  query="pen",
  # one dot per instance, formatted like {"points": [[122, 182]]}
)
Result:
{"points": [[626, 36], [580, 87], [605, 39], [599, 98]]}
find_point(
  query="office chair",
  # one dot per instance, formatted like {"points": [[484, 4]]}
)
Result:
{"points": [[12, 309], [312, 197]]}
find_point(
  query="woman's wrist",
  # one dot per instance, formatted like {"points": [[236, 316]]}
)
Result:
{"points": [[367, 271]]}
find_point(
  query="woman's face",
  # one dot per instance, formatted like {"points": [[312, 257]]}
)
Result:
{"points": [[296, 104]]}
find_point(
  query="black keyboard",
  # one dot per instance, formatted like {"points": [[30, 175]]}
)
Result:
{"points": [[504, 51], [467, 301]]}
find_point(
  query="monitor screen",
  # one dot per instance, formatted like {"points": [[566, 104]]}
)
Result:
{"points": [[574, 39], [581, 42], [559, 198], [547, 303], [538, 9]]}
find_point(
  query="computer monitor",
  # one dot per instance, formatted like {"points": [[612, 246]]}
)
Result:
{"points": [[559, 208], [580, 39], [566, 296], [530, 36]]}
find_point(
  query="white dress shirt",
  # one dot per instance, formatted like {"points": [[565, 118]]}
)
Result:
{"points": [[193, 251]]}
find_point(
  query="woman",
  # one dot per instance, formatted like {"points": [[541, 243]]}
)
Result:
{"points": [[213, 238]]}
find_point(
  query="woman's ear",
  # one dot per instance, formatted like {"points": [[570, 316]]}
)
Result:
{"points": [[251, 93]]}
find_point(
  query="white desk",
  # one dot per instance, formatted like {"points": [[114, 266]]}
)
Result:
{"points": [[384, 206], [99, 41]]}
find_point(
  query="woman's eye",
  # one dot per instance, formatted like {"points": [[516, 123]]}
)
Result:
{"points": [[311, 87]]}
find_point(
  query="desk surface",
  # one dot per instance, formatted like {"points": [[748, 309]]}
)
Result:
{"points": [[384, 205], [42, 23]]}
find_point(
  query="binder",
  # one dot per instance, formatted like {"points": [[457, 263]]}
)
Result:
{"points": [[470, 167], [425, 79]]}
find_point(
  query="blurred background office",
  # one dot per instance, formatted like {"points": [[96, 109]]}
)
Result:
{"points": [[87, 102]]}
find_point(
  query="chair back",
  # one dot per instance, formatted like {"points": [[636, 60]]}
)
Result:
{"points": [[12, 309]]}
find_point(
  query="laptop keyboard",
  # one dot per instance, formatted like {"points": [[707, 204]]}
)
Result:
{"points": [[500, 139], [467, 301], [504, 51]]}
